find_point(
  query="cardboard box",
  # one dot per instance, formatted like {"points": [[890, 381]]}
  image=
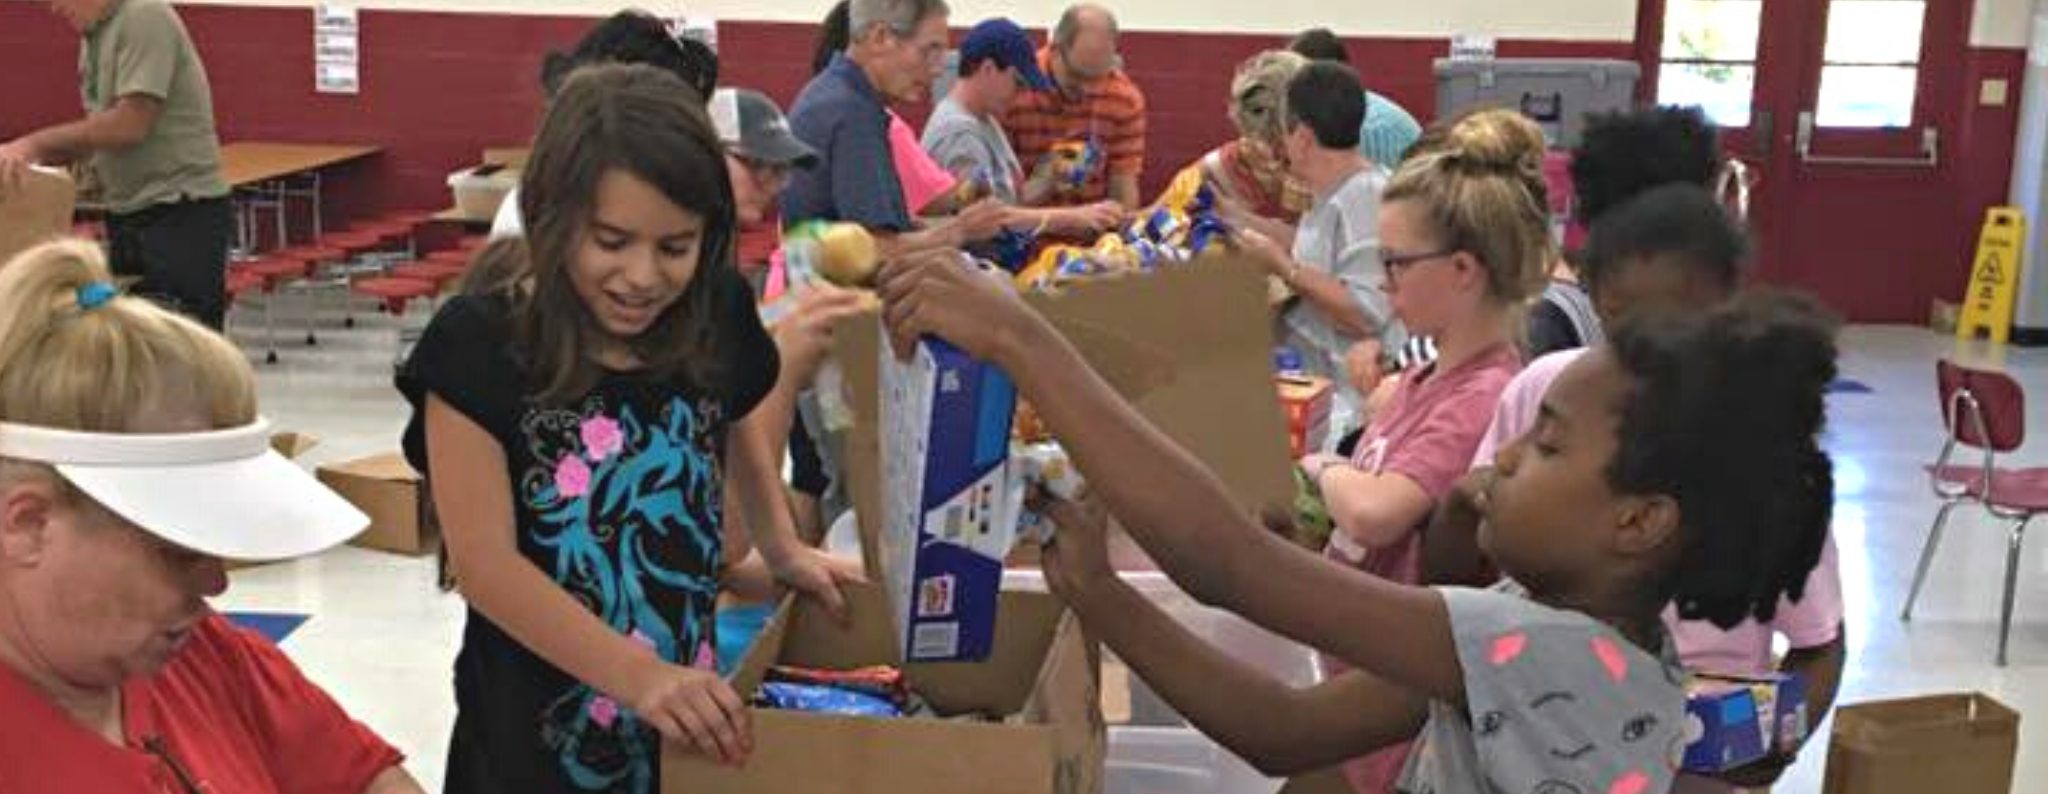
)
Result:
{"points": [[394, 496], [1040, 674], [1740, 720], [1960, 743], [292, 444], [950, 512], [1305, 401], [1190, 346], [40, 210]]}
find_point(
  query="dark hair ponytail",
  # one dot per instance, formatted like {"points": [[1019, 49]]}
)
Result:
{"points": [[1725, 417]]}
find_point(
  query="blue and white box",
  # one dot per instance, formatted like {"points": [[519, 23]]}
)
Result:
{"points": [[949, 506], [1734, 721]]}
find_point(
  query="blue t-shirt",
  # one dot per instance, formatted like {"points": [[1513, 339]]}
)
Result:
{"points": [[1388, 131], [840, 115]]}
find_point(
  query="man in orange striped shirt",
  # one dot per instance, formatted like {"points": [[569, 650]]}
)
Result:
{"points": [[1086, 137]]}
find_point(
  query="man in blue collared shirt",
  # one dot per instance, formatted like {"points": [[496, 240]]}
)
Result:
{"points": [[897, 49]]}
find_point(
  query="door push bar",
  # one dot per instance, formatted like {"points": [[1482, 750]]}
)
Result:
{"points": [[1930, 150]]}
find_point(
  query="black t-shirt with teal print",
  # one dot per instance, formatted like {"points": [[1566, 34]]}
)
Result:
{"points": [[617, 500]]}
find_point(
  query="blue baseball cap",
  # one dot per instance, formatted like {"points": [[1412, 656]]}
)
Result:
{"points": [[1002, 41]]}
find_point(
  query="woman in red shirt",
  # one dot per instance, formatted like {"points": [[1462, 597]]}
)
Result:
{"points": [[132, 462]]}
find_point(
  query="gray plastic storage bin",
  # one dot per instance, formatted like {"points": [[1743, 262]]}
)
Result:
{"points": [[1556, 92]]}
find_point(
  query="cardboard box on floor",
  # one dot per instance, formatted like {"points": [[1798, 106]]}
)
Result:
{"points": [[1041, 675], [1191, 347], [386, 487], [1960, 743], [40, 210]]}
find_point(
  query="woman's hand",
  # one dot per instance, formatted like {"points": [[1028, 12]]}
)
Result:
{"points": [[804, 337], [940, 293], [1077, 557], [1268, 253]]}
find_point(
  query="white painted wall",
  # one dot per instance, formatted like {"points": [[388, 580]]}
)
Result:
{"points": [[2002, 23], [1584, 20], [1997, 23]]}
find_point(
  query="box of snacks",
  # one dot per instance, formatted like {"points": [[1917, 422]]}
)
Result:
{"points": [[835, 710]]}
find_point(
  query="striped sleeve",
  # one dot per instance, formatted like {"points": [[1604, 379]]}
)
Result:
{"points": [[1127, 141]]}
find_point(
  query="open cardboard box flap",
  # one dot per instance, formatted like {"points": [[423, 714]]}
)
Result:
{"points": [[39, 211], [1042, 671], [1190, 347]]}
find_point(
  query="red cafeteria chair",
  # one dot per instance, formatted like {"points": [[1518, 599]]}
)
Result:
{"points": [[267, 275], [440, 273], [394, 292], [1986, 411]]}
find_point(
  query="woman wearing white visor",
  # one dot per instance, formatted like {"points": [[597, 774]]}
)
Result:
{"points": [[131, 462]]}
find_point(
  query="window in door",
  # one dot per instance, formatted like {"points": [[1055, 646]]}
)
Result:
{"points": [[1709, 56], [1870, 67]]}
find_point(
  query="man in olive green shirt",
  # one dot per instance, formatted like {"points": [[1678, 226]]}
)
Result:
{"points": [[149, 134]]}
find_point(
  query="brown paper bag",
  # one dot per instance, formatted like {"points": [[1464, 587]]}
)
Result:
{"points": [[36, 212], [1951, 744]]}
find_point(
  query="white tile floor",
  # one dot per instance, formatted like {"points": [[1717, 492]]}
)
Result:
{"points": [[381, 638]]}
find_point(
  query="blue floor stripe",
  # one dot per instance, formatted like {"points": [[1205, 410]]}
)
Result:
{"points": [[272, 625]]}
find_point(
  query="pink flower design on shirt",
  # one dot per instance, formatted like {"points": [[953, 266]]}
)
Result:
{"points": [[1631, 783], [602, 438], [1506, 647], [572, 477], [603, 711], [1611, 658]]}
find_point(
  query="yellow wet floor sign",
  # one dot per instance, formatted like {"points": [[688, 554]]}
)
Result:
{"points": [[1994, 276]]}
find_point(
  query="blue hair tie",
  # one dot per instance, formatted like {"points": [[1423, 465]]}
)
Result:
{"points": [[96, 294]]}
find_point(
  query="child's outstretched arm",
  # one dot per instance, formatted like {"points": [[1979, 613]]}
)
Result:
{"points": [[1279, 729], [1176, 509], [757, 481]]}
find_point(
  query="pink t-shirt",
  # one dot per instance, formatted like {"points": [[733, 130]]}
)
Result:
{"points": [[922, 177], [1812, 621], [1426, 433]]}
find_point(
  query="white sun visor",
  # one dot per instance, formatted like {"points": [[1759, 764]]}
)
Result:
{"points": [[220, 492]]}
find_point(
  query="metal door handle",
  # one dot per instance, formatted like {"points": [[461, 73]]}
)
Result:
{"points": [[1930, 150]]}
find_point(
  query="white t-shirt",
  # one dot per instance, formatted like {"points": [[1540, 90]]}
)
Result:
{"points": [[1340, 235], [971, 147]]}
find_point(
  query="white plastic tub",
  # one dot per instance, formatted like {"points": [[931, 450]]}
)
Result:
{"points": [[479, 190], [1177, 761]]}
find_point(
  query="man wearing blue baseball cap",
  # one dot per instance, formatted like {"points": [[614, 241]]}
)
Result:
{"points": [[965, 134]]}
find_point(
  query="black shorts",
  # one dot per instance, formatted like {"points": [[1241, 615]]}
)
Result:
{"points": [[179, 251]]}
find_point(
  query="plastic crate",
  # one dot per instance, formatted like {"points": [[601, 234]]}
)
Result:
{"points": [[1556, 93]]}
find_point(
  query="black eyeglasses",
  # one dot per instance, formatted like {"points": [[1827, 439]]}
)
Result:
{"points": [[187, 784], [1395, 263]]}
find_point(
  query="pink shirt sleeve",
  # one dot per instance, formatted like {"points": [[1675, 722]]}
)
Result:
{"points": [[1520, 403], [922, 177]]}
